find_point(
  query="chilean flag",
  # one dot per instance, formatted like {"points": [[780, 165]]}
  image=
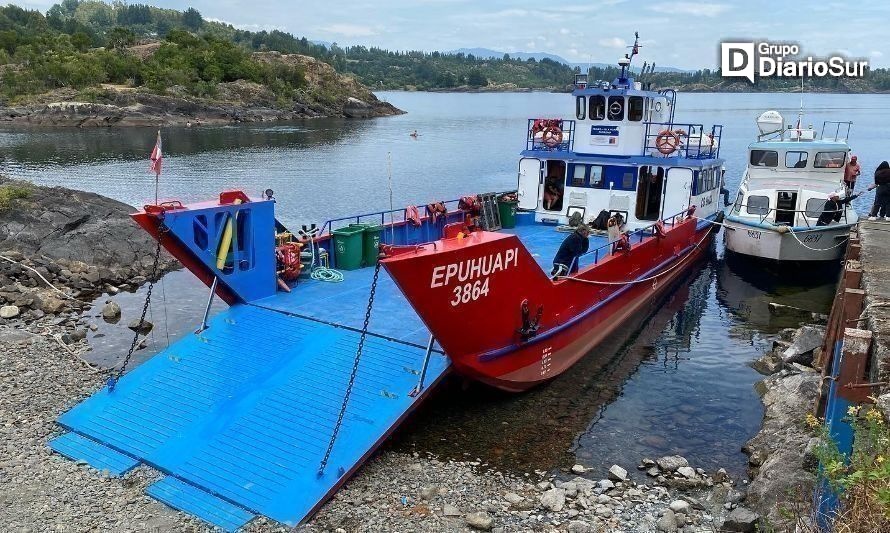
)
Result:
{"points": [[156, 156]]}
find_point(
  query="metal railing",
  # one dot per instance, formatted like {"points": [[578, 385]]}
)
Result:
{"points": [[695, 142], [537, 139], [769, 210], [641, 233], [838, 125], [398, 216]]}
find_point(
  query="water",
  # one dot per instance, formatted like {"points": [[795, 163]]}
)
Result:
{"points": [[679, 385]]}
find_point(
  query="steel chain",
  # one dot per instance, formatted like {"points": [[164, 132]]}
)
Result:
{"points": [[112, 381], [358, 356]]}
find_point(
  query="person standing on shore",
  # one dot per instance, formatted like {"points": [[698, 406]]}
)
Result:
{"points": [[881, 208], [851, 172]]}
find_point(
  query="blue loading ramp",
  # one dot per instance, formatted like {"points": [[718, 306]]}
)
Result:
{"points": [[239, 416]]}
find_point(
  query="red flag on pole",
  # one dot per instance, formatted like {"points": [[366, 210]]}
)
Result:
{"points": [[156, 156]]}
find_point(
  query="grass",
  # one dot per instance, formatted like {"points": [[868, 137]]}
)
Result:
{"points": [[10, 193]]}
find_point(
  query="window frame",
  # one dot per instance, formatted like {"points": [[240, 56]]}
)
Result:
{"points": [[818, 212], [584, 172], [760, 211], [806, 158], [581, 107], [841, 165], [591, 102], [616, 99], [763, 153], [630, 108], [590, 174]]}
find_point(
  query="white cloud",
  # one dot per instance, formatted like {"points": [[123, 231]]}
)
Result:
{"points": [[876, 53], [692, 8], [564, 31], [613, 42], [349, 30]]}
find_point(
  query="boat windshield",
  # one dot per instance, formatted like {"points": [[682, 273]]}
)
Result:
{"points": [[834, 159], [764, 158]]}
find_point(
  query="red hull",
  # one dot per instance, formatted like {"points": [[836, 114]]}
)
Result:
{"points": [[480, 332]]}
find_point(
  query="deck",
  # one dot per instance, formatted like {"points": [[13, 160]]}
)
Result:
{"points": [[239, 416]]}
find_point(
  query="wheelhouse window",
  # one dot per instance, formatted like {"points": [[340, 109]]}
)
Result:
{"points": [[579, 175], [814, 207], [758, 205], [616, 108], [795, 159], [830, 159], [764, 158], [597, 107], [580, 107], [596, 176], [635, 108]]}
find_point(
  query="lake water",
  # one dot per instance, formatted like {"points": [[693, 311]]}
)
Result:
{"points": [[681, 384]]}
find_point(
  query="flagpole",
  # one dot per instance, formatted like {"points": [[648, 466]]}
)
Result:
{"points": [[157, 176]]}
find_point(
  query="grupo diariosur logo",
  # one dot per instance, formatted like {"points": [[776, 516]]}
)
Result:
{"points": [[765, 59]]}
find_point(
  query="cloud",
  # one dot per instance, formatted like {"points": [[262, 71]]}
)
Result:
{"points": [[876, 53], [613, 42], [692, 8], [349, 30], [564, 31]]}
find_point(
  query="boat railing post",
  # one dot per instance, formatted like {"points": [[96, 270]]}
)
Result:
{"points": [[426, 363], [209, 303]]}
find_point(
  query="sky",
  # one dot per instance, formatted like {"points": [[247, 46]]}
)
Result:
{"points": [[684, 34]]}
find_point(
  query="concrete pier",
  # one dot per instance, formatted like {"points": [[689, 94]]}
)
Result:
{"points": [[874, 241]]}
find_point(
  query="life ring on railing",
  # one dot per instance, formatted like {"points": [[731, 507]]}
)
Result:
{"points": [[667, 142], [552, 137], [658, 229]]}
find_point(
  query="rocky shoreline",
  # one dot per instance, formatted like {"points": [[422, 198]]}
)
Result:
{"points": [[327, 94]]}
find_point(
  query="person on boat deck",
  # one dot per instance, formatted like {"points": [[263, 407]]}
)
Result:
{"points": [[573, 247], [834, 208], [552, 191], [723, 190], [851, 172], [882, 197]]}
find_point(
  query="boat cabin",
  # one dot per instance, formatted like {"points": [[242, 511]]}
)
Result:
{"points": [[622, 152]]}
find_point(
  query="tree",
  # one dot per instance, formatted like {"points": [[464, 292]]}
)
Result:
{"points": [[81, 41], [476, 79], [119, 38], [192, 19]]}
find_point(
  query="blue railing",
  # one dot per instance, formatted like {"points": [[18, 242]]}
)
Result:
{"points": [[545, 138], [690, 141], [607, 249]]}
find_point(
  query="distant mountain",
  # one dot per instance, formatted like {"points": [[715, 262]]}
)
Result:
{"points": [[488, 53]]}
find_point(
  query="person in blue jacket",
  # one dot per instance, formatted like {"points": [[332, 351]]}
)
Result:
{"points": [[574, 246]]}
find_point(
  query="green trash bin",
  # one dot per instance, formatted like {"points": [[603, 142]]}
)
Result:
{"points": [[348, 247], [507, 210], [371, 243]]}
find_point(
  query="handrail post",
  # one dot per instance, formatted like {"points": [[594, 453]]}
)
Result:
{"points": [[426, 361], [209, 303]]}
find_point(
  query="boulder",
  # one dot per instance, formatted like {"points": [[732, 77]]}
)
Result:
{"points": [[480, 520], [806, 339], [686, 471], [669, 463], [554, 500], [616, 473], [578, 469], [142, 327], [52, 305], [769, 363], [450, 510], [680, 506], [111, 311], [741, 520], [9, 311], [668, 522]]}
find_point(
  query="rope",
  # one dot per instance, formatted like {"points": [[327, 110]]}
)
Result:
{"points": [[50, 285], [787, 231], [641, 280], [843, 242], [358, 357], [321, 273]]}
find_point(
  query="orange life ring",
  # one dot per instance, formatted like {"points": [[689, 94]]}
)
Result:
{"points": [[667, 142], [552, 137]]}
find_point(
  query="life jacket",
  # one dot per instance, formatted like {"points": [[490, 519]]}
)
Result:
{"points": [[468, 204], [435, 209], [412, 215]]}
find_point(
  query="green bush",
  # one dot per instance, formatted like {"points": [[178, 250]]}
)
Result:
{"points": [[9, 193]]}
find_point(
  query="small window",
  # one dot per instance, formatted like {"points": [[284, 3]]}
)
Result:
{"points": [[627, 181], [764, 158], [597, 107], [795, 159], [758, 205], [596, 176], [738, 202], [616, 108], [697, 185], [815, 207], [635, 108], [830, 159], [580, 107], [578, 175]]}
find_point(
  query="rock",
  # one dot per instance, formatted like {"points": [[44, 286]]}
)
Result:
{"points": [[605, 484], [686, 471], [450, 510], [742, 520], [603, 511], [757, 458], [429, 492], [513, 499], [653, 471], [142, 327], [577, 526], [667, 523], [52, 305], [806, 339], [721, 476], [769, 363], [111, 311], [480, 520], [554, 500], [9, 311], [679, 506], [670, 463], [616, 473], [810, 459], [578, 469]]}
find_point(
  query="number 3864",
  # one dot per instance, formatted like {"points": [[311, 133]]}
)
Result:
{"points": [[469, 291]]}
